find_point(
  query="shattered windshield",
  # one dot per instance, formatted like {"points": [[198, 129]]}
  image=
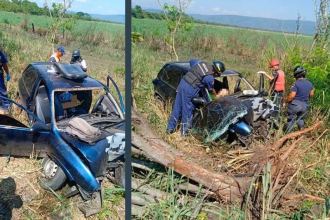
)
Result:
{"points": [[216, 117]]}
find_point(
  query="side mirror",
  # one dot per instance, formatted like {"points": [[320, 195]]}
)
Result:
{"points": [[264, 93], [155, 81], [37, 127], [199, 101]]}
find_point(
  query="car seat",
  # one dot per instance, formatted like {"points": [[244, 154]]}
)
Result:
{"points": [[59, 111], [43, 105]]}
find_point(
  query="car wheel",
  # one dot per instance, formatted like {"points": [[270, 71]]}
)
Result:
{"points": [[160, 103], [120, 175], [54, 177]]}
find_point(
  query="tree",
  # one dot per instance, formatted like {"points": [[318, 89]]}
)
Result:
{"points": [[80, 14], [57, 16], [176, 20]]}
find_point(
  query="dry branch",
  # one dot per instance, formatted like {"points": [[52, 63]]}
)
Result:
{"points": [[137, 185], [287, 137], [143, 199]]}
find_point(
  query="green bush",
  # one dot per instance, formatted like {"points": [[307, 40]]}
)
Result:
{"points": [[318, 67]]}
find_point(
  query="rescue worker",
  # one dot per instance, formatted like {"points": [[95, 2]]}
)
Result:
{"points": [[56, 57], [77, 59], [200, 75], [4, 68], [277, 81], [301, 91]]}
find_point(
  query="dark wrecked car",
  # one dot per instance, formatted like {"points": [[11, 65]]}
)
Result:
{"points": [[240, 115], [52, 95]]}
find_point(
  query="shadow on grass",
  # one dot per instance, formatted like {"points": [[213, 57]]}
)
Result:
{"points": [[8, 198]]}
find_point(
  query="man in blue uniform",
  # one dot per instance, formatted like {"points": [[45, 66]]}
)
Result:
{"points": [[200, 75], [301, 91], [3, 67]]}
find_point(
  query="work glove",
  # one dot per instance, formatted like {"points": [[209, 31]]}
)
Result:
{"points": [[262, 72], [8, 77]]}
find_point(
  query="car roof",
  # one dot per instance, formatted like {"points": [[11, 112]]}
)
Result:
{"points": [[55, 80], [186, 65], [231, 73], [182, 64]]}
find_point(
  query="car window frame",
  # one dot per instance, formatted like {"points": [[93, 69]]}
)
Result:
{"points": [[164, 72], [107, 93], [238, 77], [27, 111], [28, 70]]}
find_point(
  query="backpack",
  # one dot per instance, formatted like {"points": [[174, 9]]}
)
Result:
{"points": [[79, 128]]}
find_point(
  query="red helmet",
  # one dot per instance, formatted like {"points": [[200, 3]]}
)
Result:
{"points": [[274, 63]]}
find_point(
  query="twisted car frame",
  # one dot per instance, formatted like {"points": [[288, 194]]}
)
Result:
{"points": [[248, 112], [66, 157]]}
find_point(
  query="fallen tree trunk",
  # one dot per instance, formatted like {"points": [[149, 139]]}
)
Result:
{"points": [[227, 187], [148, 144], [151, 146]]}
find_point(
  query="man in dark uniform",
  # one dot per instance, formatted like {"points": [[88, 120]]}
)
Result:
{"points": [[77, 59], [3, 67], [199, 76], [301, 91]]}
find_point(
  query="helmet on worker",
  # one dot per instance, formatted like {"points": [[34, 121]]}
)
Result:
{"points": [[219, 67], [76, 53], [299, 72], [274, 63]]}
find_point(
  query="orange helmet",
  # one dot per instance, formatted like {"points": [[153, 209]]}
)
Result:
{"points": [[274, 63]]}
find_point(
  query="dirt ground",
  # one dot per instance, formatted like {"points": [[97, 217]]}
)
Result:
{"points": [[21, 197]]}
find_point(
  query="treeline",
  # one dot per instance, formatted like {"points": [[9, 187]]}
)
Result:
{"points": [[139, 13], [25, 6]]}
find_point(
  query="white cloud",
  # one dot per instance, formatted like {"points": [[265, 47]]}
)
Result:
{"points": [[230, 12], [216, 9], [81, 0]]}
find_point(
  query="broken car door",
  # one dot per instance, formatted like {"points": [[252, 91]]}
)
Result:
{"points": [[17, 139]]}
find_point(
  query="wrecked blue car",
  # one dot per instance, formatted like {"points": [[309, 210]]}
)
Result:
{"points": [[244, 114], [54, 97]]}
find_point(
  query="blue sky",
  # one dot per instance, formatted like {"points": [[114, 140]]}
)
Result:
{"points": [[103, 7], [279, 9]]}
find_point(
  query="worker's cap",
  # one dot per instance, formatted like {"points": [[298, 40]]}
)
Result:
{"points": [[61, 49]]}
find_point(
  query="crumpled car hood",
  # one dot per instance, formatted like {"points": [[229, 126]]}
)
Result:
{"points": [[217, 116], [111, 146], [95, 155], [261, 108]]}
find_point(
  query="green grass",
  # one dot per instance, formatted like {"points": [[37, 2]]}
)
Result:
{"points": [[251, 37], [45, 22]]}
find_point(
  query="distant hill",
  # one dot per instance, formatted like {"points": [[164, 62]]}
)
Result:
{"points": [[306, 27], [112, 18]]}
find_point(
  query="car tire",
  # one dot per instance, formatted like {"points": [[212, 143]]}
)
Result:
{"points": [[54, 177], [120, 175]]}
